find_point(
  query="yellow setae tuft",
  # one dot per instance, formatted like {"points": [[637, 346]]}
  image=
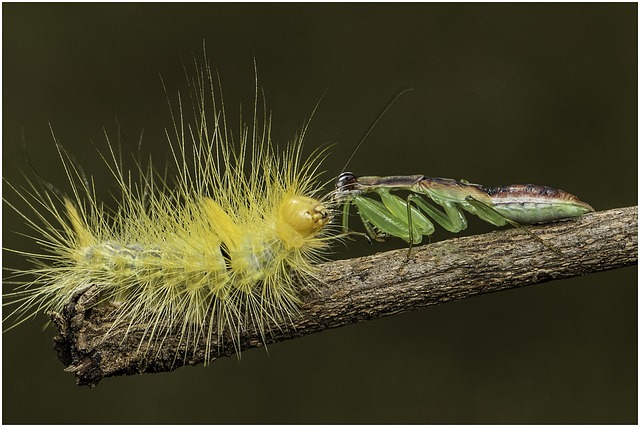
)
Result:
{"points": [[207, 253]]}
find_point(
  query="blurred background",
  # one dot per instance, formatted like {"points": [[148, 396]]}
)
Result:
{"points": [[503, 93]]}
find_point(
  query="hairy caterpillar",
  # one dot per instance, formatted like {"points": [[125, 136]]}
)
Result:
{"points": [[210, 252]]}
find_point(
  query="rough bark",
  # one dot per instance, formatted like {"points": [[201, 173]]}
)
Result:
{"points": [[370, 287]]}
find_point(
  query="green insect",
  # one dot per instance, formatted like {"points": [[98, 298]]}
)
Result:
{"points": [[410, 218]]}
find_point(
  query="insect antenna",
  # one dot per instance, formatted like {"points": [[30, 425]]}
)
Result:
{"points": [[370, 232], [375, 122]]}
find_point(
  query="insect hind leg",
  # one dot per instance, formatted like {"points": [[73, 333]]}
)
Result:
{"points": [[491, 215]]}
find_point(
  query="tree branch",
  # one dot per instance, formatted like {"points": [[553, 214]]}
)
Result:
{"points": [[370, 287]]}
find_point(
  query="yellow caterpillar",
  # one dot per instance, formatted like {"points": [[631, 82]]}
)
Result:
{"points": [[209, 252]]}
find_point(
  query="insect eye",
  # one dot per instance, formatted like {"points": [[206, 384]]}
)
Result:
{"points": [[346, 181]]}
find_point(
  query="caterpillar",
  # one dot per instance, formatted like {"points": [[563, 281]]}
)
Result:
{"points": [[211, 251]]}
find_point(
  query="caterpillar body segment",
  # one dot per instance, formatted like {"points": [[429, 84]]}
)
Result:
{"points": [[208, 253], [410, 218]]}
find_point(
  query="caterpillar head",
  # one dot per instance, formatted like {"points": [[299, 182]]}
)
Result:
{"points": [[300, 218]]}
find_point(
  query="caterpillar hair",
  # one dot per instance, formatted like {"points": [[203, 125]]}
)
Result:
{"points": [[207, 253]]}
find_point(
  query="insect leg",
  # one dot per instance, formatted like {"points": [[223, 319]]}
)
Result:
{"points": [[386, 220], [452, 219], [417, 224], [491, 215], [488, 213], [373, 232], [345, 217], [345, 225]]}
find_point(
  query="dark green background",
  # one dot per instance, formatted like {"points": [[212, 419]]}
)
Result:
{"points": [[504, 93]]}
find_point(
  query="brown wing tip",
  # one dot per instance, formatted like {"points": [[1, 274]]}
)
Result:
{"points": [[534, 190]]}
